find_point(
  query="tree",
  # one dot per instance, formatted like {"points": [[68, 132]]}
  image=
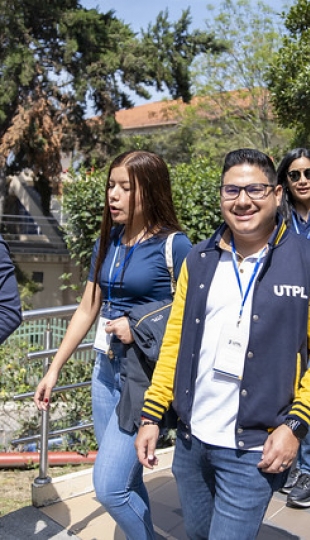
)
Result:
{"points": [[289, 75], [233, 106], [173, 145], [58, 59], [171, 54]]}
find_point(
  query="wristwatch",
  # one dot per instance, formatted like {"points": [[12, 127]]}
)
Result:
{"points": [[299, 429]]}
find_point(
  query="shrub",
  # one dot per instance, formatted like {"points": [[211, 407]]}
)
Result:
{"points": [[196, 197]]}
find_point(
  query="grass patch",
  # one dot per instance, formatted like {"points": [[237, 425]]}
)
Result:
{"points": [[15, 485]]}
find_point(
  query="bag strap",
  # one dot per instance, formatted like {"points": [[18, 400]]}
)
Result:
{"points": [[169, 261]]}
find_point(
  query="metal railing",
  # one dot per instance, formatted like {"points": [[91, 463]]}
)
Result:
{"points": [[25, 232], [49, 314]]}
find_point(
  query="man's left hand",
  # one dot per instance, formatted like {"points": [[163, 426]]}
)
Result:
{"points": [[279, 450]]}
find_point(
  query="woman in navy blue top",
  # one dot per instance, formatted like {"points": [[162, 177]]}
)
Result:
{"points": [[294, 175], [128, 268]]}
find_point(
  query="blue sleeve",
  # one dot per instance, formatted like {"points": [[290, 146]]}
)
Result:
{"points": [[10, 308], [91, 273], [180, 247]]}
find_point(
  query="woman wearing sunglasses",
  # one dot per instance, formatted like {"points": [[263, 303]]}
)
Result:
{"points": [[294, 175]]}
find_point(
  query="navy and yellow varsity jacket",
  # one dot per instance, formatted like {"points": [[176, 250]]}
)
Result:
{"points": [[276, 383]]}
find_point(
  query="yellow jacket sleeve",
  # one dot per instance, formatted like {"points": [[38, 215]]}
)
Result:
{"points": [[159, 395], [301, 403]]}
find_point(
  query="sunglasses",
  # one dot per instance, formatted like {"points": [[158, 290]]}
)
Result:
{"points": [[294, 176]]}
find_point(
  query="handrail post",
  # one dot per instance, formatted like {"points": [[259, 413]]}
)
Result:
{"points": [[44, 429]]}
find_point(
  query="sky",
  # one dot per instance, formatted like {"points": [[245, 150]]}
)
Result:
{"points": [[139, 13]]}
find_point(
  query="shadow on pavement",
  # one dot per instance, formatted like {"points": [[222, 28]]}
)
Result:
{"points": [[30, 523], [268, 532]]}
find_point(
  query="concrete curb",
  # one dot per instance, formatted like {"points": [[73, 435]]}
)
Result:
{"points": [[79, 483]]}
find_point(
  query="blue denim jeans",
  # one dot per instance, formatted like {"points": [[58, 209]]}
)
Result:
{"points": [[303, 461], [222, 492], [118, 478]]}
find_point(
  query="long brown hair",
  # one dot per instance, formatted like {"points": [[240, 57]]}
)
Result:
{"points": [[150, 173]]}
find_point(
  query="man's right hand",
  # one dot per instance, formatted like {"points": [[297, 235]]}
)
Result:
{"points": [[145, 445]]}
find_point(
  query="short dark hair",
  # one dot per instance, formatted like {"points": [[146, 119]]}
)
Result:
{"points": [[251, 157]]}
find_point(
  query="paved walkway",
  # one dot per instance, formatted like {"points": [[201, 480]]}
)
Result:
{"points": [[83, 518]]}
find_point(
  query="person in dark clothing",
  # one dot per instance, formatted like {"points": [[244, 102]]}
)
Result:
{"points": [[294, 177], [10, 308]]}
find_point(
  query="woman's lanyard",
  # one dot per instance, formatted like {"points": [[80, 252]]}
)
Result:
{"points": [[113, 276], [296, 226], [251, 280]]}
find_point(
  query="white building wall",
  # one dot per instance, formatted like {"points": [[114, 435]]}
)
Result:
{"points": [[52, 267]]}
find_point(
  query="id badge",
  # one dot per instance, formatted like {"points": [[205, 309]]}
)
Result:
{"points": [[102, 339], [231, 351]]}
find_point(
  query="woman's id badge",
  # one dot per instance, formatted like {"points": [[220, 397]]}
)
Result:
{"points": [[231, 351], [102, 339]]}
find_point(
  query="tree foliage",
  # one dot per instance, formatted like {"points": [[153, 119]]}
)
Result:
{"points": [[172, 54], [173, 145], [234, 108], [289, 75], [59, 60]]}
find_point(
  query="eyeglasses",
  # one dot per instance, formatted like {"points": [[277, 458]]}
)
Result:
{"points": [[229, 192], [295, 175]]}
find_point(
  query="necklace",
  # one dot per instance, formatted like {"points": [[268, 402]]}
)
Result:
{"points": [[137, 239]]}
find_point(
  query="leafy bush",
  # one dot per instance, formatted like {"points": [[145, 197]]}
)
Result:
{"points": [[68, 408], [195, 188], [83, 202], [16, 374]]}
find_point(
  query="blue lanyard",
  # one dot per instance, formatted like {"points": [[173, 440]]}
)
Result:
{"points": [[112, 278], [251, 280], [296, 226]]}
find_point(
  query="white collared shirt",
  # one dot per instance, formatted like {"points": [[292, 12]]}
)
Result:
{"points": [[216, 400]]}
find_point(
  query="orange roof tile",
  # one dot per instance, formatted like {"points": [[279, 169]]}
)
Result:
{"points": [[148, 115], [169, 112]]}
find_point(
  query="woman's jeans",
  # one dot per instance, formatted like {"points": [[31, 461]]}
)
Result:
{"points": [[222, 492], [117, 472], [303, 462]]}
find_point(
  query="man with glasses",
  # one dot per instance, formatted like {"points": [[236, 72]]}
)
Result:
{"points": [[234, 359]]}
